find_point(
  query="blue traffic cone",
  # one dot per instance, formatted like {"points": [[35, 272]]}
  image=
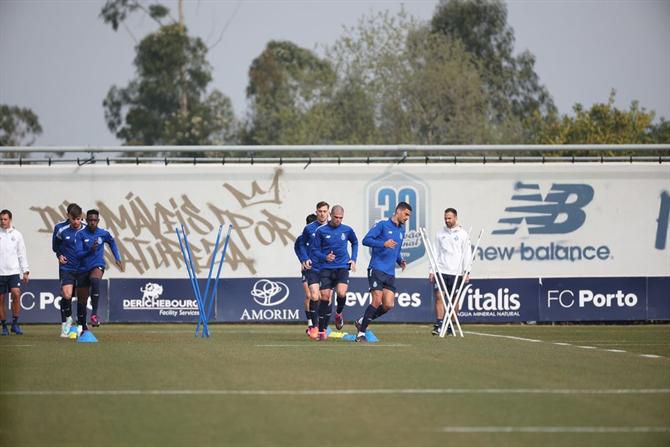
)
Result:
{"points": [[87, 337]]}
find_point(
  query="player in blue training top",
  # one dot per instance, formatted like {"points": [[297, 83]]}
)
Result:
{"points": [[60, 225], [94, 239], [310, 263], [69, 252], [385, 238], [331, 249], [297, 248], [55, 242]]}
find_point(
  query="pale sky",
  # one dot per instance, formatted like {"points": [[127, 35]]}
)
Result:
{"points": [[58, 58]]}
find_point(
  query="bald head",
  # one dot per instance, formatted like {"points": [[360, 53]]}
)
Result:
{"points": [[336, 215]]}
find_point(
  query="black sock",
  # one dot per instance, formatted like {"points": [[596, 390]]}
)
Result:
{"points": [[329, 311], [15, 319], [367, 317], [313, 308], [65, 309], [324, 315], [341, 301], [95, 294], [81, 313], [380, 311], [438, 322], [4, 323]]}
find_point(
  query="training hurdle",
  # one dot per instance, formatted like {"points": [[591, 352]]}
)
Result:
{"points": [[205, 301]]}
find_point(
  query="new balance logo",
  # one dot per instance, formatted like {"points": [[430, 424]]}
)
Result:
{"points": [[559, 212]]}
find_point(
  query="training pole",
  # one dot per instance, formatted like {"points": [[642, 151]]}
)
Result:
{"points": [[209, 278], [466, 272], [199, 298], [189, 266], [210, 304], [433, 266], [451, 310]]}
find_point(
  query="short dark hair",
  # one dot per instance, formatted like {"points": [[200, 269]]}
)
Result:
{"points": [[403, 206], [70, 206], [322, 203], [451, 210], [7, 212], [310, 218], [75, 211], [93, 212]]}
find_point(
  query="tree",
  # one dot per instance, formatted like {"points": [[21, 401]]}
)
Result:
{"points": [[660, 133], [405, 85], [288, 88], [514, 89], [601, 124], [18, 126], [167, 103]]}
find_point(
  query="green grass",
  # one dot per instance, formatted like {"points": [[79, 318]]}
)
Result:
{"points": [[417, 384]]}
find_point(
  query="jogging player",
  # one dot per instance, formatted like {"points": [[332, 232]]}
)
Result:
{"points": [[309, 261], [297, 248], [453, 251], [13, 268], [94, 239], [331, 244], [385, 238], [68, 248]]}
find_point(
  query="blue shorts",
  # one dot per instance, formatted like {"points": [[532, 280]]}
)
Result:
{"points": [[449, 282], [303, 275], [378, 280], [77, 279], [9, 282], [330, 278], [312, 277]]}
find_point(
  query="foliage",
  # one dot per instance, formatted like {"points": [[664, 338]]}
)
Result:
{"points": [[287, 89], [114, 12], [167, 103], [603, 123], [660, 132], [514, 89], [405, 85], [18, 126]]}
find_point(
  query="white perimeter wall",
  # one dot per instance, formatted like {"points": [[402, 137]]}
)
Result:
{"points": [[570, 219]]}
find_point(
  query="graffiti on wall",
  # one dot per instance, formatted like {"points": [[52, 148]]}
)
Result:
{"points": [[145, 231]]}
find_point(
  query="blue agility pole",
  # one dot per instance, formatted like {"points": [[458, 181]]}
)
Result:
{"points": [[184, 253], [196, 286], [205, 297], [206, 301], [189, 267], [218, 275]]}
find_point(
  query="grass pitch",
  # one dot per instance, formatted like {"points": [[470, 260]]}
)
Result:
{"points": [[157, 385]]}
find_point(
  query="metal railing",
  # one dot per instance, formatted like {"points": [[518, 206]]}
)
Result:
{"points": [[307, 154]]}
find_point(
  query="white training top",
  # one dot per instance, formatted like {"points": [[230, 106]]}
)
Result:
{"points": [[13, 259], [453, 250]]}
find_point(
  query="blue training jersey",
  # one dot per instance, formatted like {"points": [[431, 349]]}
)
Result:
{"points": [[384, 259], [96, 258], [69, 245], [308, 251], [54, 241], [299, 247], [336, 240]]}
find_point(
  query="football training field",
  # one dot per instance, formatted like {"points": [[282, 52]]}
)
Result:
{"points": [[157, 385]]}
